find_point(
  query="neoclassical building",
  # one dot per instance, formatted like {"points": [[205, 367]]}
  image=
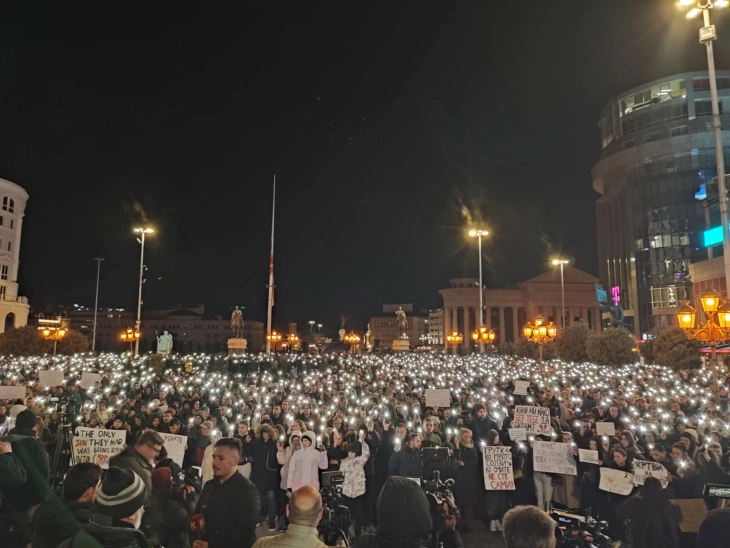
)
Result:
{"points": [[13, 308], [507, 310]]}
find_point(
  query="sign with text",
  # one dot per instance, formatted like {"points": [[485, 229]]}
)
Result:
{"points": [[438, 397], [88, 380], [586, 455], [498, 475], [643, 469], [50, 378], [554, 458], [605, 429], [517, 434], [12, 392], [521, 388], [97, 445], [536, 420], [175, 446], [616, 481]]}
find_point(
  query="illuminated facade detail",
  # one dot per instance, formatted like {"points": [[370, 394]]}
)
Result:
{"points": [[13, 308]]}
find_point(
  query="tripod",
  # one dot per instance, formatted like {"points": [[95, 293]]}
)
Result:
{"points": [[63, 439]]}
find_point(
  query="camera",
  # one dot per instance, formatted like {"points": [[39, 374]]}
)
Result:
{"points": [[716, 490], [575, 531], [332, 479], [336, 517], [439, 494]]}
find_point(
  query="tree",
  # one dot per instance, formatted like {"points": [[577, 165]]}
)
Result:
{"points": [[571, 345], [614, 347], [674, 349], [73, 342], [24, 341], [528, 349]]}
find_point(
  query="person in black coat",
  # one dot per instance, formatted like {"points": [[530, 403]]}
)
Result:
{"points": [[654, 518], [481, 424], [265, 470], [466, 490], [406, 461]]}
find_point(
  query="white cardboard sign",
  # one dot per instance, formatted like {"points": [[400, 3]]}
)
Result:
{"points": [[88, 380], [97, 445], [536, 420], [643, 469], [616, 481], [586, 455], [521, 388], [175, 446], [438, 397], [518, 434], [12, 392], [50, 378], [554, 458], [605, 429], [498, 474]]}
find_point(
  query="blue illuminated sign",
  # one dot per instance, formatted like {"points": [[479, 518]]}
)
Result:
{"points": [[712, 237]]}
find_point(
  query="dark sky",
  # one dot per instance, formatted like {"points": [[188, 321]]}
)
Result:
{"points": [[385, 123]]}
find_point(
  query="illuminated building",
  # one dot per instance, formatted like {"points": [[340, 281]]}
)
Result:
{"points": [[13, 308]]}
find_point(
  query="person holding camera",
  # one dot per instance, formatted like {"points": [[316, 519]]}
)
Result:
{"points": [[353, 485]]}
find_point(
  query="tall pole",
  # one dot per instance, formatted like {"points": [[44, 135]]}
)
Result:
{"points": [[480, 321], [562, 290], [138, 323], [96, 301], [271, 273], [719, 154]]}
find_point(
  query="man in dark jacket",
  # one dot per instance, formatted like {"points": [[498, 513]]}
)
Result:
{"points": [[481, 425], [406, 462], [265, 470], [57, 520], [229, 502], [24, 474]]}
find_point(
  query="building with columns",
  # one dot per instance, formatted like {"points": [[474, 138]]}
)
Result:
{"points": [[13, 308], [507, 310]]}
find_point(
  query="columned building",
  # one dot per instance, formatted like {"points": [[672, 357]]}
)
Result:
{"points": [[507, 310], [13, 308]]}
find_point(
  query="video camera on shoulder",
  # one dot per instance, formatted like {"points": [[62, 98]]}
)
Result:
{"points": [[435, 458]]}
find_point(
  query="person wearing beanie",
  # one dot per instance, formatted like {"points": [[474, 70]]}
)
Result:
{"points": [[481, 424], [24, 474], [117, 514]]}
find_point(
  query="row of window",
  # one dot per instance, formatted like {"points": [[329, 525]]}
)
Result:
{"points": [[670, 296], [653, 117], [703, 84]]}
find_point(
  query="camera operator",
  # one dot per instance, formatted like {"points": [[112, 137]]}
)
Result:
{"points": [[654, 518], [528, 527]]}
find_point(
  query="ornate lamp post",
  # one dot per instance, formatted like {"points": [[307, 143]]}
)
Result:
{"points": [[709, 332], [455, 339], [131, 336], [479, 233], [539, 332], [483, 336], [54, 334], [274, 338], [353, 339], [293, 339]]}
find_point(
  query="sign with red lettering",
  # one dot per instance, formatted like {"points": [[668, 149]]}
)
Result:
{"points": [[536, 420], [498, 475], [97, 445]]}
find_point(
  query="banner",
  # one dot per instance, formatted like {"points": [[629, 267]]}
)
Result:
{"points": [[605, 429], [536, 420], [88, 380], [616, 481], [438, 397], [175, 446], [521, 388], [517, 434], [643, 469], [50, 378], [554, 458], [498, 475], [12, 392], [586, 455], [97, 445]]}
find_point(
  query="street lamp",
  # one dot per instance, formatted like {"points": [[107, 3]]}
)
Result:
{"points": [[353, 339], [274, 338], [539, 332], [562, 263], [54, 334], [131, 336], [311, 325], [479, 233], [483, 336], [709, 332], [142, 231], [96, 301], [319, 326], [454, 338], [293, 339], [707, 36]]}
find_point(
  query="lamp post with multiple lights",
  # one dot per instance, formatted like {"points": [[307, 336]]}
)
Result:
{"points": [[707, 36], [353, 339], [709, 332], [483, 336], [539, 332], [480, 322], [142, 231], [454, 339], [562, 263], [54, 334], [130, 336], [274, 338]]}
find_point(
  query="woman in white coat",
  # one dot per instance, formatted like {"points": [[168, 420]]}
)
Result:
{"points": [[304, 464]]}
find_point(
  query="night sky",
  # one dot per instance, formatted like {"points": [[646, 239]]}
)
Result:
{"points": [[388, 125]]}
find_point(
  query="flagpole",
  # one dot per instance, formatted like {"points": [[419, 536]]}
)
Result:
{"points": [[271, 273]]}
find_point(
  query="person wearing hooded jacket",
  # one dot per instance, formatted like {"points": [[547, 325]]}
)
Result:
{"points": [[265, 471], [283, 456], [305, 464]]}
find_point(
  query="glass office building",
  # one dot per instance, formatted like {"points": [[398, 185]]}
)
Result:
{"points": [[657, 148]]}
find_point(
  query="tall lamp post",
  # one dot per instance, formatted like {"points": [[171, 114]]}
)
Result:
{"points": [[707, 36], [353, 339], [483, 336], [454, 339], [562, 263], [311, 325], [54, 334], [273, 339], [96, 301], [709, 332], [131, 336], [480, 322], [142, 231], [539, 332]]}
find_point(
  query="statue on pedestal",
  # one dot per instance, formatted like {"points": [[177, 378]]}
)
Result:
{"points": [[164, 344], [237, 323], [342, 327], [402, 322]]}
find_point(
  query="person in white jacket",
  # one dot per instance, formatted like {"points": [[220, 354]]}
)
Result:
{"points": [[304, 464], [353, 486], [283, 456]]}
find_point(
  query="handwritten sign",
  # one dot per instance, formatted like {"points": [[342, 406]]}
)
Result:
{"points": [[616, 481], [88, 380], [50, 377], [517, 434], [643, 469], [605, 429], [498, 475], [536, 420], [586, 455], [521, 388], [438, 397], [12, 392], [97, 445], [175, 446], [553, 457]]}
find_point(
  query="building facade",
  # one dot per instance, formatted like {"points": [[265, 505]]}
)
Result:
{"points": [[657, 148], [13, 307], [508, 310], [384, 329], [436, 327]]}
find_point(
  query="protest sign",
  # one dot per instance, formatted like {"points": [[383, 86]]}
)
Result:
{"points": [[438, 397], [97, 445], [88, 380], [605, 429], [12, 392], [498, 475], [536, 420], [50, 377], [175, 446], [616, 481], [555, 458], [643, 469], [521, 388], [517, 434], [586, 455]]}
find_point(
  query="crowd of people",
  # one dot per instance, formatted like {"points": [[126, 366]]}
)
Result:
{"points": [[260, 432]]}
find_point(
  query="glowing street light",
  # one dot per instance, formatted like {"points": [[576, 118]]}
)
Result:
{"points": [[131, 336], [353, 339], [454, 338], [54, 334], [483, 335], [539, 332], [274, 338], [709, 332]]}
